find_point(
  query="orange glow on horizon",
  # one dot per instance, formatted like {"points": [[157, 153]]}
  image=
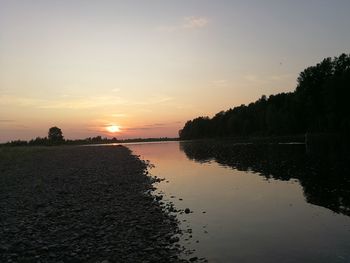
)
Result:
{"points": [[113, 128]]}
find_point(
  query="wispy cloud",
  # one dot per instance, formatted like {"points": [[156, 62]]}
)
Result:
{"points": [[83, 103], [281, 77], [195, 22], [220, 83], [153, 126], [188, 23], [260, 79], [80, 102], [251, 78], [17, 101], [119, 115], [6, 121], [158, 99]]}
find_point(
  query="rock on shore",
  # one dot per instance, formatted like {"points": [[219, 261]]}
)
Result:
{"points": [[81, 204]]}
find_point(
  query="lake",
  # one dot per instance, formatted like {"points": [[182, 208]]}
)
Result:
{"points": [[256, 203]]}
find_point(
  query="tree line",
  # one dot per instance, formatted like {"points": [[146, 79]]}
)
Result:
{"points": [[318, 104], [55, 137]]}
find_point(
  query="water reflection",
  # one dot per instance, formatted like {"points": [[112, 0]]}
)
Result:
{"points": [[322, 169], [238, 215]]}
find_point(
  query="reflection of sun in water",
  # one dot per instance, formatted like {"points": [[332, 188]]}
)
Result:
{"points": [[113, 128]]}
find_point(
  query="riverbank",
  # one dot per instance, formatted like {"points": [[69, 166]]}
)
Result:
{"points": [[81, 204], [308, 138]]}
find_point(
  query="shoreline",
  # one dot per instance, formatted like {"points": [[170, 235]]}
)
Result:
{"points": [[85, 204]]}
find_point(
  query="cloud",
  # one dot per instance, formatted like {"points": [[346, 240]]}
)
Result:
{"points": [[7, 121], [119, 115], [281, 77], [261, 79], [83, 103], [156, 125], [153, 126], [188, 23], [17, 101], [221, 83], [80, 102], [153, 100], [195, 22]]}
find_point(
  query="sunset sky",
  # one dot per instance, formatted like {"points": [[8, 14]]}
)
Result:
{"points": [[148, 66]]}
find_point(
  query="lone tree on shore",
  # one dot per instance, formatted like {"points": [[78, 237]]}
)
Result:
{"points": [[55, 135]]}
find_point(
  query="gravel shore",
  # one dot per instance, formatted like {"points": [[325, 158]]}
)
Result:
{"points": [[81, 204]]}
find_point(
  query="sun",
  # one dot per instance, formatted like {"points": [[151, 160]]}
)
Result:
{"points": [[113, 128]]}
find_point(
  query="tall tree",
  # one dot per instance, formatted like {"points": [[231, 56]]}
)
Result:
{"points": [[55, 135], [319, 104]]}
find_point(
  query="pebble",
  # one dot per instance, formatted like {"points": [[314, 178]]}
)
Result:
{"points": [[91, 205]]}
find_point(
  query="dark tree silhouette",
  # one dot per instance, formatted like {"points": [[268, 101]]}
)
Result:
{"points": [[319, 104], [322, 170], [55, 135]]}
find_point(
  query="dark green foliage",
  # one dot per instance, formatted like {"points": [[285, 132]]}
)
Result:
{"points": [[319, 104]]}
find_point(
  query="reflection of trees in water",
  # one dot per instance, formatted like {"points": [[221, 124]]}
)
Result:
{"points": [[323, 171]]}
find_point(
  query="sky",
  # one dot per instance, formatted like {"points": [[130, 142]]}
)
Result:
{"points": [[148, 66]]}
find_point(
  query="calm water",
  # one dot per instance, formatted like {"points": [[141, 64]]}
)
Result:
{"points": [[267, 203]]}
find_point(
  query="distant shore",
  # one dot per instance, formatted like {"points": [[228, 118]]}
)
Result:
{"points": [[288, 138], [87, 141], [81, 204]]}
